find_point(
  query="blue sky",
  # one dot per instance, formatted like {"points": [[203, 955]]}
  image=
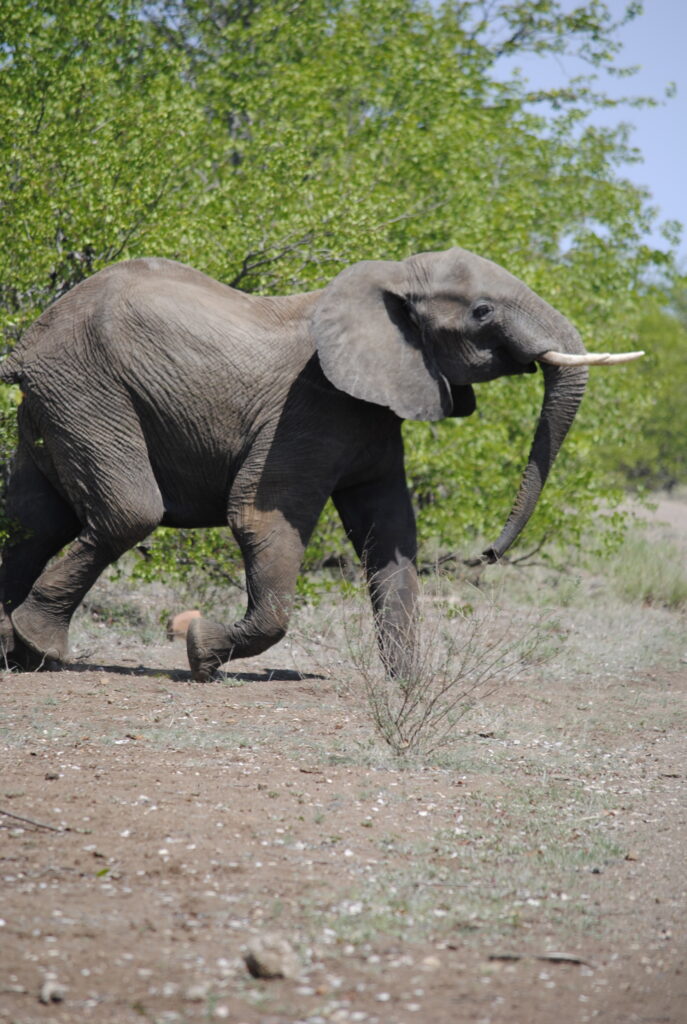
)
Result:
{"points": [[657, 42]]}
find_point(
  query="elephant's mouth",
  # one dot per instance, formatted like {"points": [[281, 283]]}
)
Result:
{"points": [[508, 364]]}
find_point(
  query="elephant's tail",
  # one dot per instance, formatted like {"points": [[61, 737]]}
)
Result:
{"points": [[11, 370]]}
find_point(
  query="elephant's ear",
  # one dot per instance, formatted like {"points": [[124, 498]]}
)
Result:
{"points": [[370, 347]]}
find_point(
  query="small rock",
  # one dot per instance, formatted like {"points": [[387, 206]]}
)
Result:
{"points": [[51, 992], [177, 625], [270, 956], [197, 993]]}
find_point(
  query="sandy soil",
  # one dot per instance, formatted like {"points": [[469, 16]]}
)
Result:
{"points": [[151, 829]]}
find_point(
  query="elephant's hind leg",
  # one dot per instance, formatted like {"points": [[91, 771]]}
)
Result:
{"points": [[42, 523], [42, 621]]}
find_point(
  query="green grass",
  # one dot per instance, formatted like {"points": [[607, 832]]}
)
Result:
{"points": [[650, 572], [513, 863]]}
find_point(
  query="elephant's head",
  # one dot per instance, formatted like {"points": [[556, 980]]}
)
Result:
{"points": [[415, 335]]}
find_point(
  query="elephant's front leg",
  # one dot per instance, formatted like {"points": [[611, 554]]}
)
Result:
{"points": [[272, 550], [379, 519]]}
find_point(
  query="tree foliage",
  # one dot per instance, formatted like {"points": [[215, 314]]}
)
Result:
{"points": [[271, 143], [654, 454]]}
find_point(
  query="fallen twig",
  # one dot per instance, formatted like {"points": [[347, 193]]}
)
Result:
{"points": [[563, 958], [31, 821], [555, 958]]}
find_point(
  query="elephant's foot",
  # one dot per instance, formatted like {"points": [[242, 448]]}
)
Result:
{"points": [[26, 659], [206, 647], [43, 638], [13, 653]]}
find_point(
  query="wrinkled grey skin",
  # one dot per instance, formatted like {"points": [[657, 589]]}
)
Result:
{"points": [[155, 395]]}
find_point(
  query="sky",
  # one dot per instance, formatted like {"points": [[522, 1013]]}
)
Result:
{"points": [[657, 42]]}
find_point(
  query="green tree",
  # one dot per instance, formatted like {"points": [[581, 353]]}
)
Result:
{"points": [[272, 143], [653, 452], [95, 141]]}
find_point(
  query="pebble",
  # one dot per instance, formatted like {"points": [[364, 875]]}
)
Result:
{"points": [[270, 956], [51, 992]]}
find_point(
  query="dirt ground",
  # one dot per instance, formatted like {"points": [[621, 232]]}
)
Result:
{"points": [[153, 829]]}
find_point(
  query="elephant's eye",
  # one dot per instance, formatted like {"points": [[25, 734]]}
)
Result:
{"points": [[482, 311]]}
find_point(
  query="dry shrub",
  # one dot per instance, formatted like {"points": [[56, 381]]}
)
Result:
{"points": [[463, 654]]}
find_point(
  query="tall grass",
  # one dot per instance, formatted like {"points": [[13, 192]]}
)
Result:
{"points": [[650, 571]]}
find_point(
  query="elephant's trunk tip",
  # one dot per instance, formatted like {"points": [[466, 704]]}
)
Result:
{"points": [[490, 556]]}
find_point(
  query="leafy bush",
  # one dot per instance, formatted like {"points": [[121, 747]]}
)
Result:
{"points": [[653, 451], [9, 399], [272, 144]]}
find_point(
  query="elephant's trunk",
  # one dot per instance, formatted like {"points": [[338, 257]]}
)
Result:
{"points": [[563, 390]]}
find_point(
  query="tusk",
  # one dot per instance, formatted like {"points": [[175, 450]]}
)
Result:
{"points": [[588, 359]]}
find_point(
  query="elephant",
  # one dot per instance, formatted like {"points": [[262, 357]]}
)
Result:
{"points": [[155, 395]]}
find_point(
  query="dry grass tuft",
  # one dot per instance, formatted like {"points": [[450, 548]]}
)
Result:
{"points": [[650, 571]]}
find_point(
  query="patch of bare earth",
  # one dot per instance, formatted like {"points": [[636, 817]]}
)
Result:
{"points": [[152, 828]]}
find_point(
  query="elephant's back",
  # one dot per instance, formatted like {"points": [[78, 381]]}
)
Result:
{"points": [[152, 317], [150, 297], [154, 346]]}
